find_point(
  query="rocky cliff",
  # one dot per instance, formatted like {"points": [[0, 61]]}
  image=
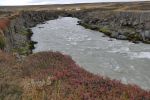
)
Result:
{"points": [[15, 31], [126, 25]]}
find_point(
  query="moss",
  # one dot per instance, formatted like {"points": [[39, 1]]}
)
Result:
{"points": [[2, 42], [86, 25], [20, 51], [92, 27], [134, 37], [25, 48], [146, 41], [105, 31], [25, 31]]}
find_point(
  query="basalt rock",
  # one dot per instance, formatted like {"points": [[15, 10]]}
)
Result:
{"points": [[120, 22]]}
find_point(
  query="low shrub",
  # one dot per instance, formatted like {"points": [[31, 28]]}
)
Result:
{"points": [[68, 81], [9, 78], [4, 23], [54, 76]]}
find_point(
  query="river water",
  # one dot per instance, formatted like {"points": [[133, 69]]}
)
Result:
{"points": [[117, 59]]}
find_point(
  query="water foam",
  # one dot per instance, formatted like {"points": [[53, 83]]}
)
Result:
{"points": [[141, 55]]}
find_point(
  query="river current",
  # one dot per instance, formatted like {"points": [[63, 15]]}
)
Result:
{"points": [[117, 59]]}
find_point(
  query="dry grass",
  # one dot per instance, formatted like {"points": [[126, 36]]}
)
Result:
{"points": [[101, 6]]}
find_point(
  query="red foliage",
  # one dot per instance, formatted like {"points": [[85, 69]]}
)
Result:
{"points": [[78, 84], [4, 22]]}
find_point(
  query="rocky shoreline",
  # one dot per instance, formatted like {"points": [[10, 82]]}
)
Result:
{"points": [[132, 26]]}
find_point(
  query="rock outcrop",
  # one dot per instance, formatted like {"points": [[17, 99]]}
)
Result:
{"points": [[126, 25]]}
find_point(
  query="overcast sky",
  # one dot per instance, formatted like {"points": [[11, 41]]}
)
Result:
{"points": [[30, 2]]}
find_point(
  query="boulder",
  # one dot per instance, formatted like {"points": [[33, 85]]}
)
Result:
{"points": [[147, 34], [122, 37], [114, 34]]}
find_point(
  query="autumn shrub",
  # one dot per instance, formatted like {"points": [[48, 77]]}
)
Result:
{"points": [[9, 78], [68, 81], [54, 76], [4, 22]]}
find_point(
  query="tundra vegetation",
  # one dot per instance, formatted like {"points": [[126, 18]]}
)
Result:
{"points": [[52, 75]]}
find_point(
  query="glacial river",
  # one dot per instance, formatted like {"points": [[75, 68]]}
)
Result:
{"points": [[117, 59]]}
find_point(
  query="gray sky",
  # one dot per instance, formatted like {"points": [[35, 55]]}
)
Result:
{"points": [[34, 2]]}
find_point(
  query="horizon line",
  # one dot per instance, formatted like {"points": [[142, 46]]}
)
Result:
{"points": [[46, 4]]}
